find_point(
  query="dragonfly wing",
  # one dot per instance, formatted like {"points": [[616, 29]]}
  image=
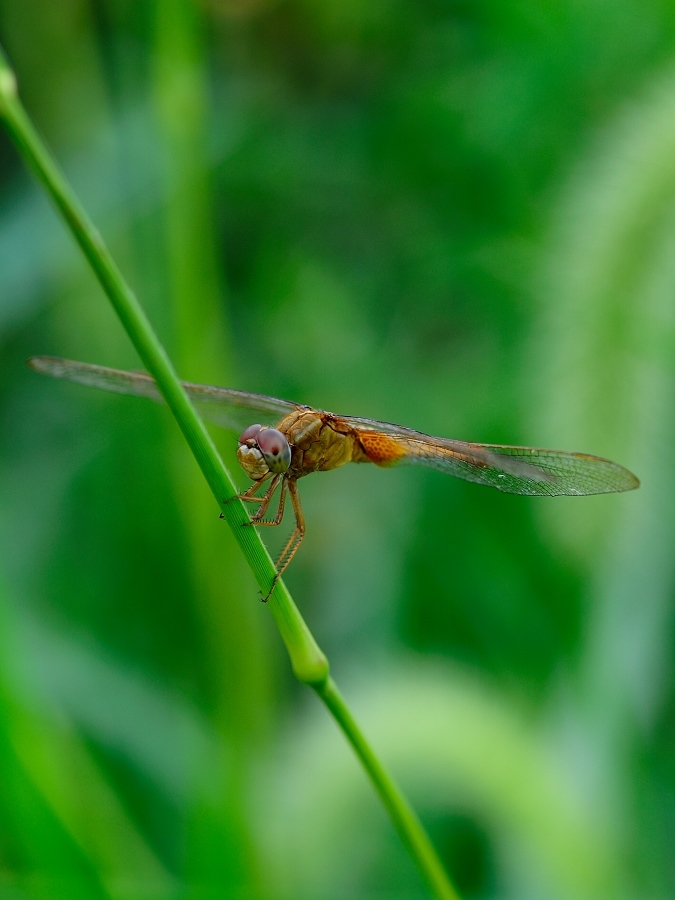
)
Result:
{"points": [[514, 470], [527, 470], [237, 410], [228, 408]]}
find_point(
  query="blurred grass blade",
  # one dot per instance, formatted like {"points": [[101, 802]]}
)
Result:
{"points": [[605, 373]]}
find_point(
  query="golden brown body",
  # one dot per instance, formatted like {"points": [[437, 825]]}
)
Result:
{"points": [[320, 441], [316, 444]]}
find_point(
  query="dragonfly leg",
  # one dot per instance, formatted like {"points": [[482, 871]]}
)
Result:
{"points": [[249, 495], [264, 501], [257, 519], [295, 539]]}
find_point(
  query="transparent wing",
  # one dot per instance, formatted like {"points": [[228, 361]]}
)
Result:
{"points": [[514, 470], [229, 408]]}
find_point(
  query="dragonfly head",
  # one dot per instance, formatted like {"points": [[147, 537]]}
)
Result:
{"points": [[263, 450]]}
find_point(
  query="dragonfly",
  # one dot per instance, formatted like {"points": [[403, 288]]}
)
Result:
{"points": [[298, 440]]}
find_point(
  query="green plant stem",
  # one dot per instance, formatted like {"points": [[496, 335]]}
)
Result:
{"points": [[401, 813], [308, 661]]}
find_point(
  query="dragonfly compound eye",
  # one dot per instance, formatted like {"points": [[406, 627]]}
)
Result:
{"points": [[275, 449], [250, 433]]}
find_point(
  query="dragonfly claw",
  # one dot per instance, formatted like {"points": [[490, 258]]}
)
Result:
{"points": [[240, 497]]}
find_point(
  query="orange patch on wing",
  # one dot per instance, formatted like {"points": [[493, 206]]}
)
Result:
{"points": [[380, 448]]}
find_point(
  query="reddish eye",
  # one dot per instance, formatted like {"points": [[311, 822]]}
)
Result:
{"points": [[250, 433], [274, 447], [270, 441]]}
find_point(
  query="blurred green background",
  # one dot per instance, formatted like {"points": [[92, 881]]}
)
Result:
{"points": [[456, 216]]}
